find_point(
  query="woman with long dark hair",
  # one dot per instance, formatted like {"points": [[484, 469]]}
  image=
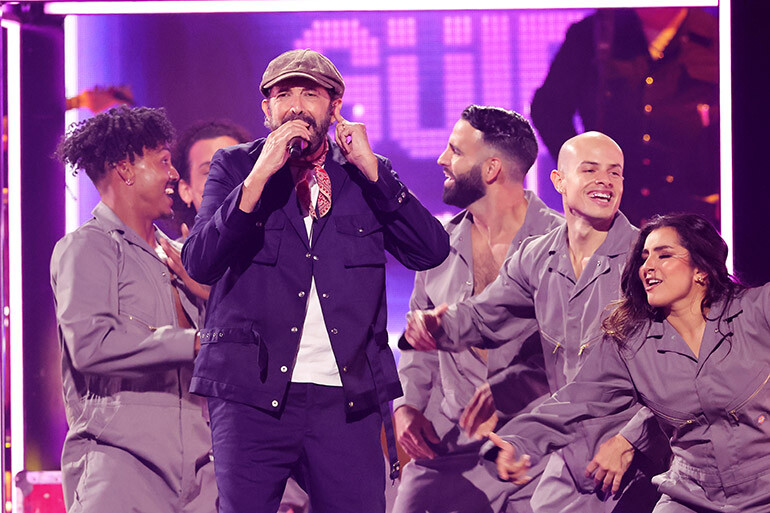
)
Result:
{"points": [[691, 344]]}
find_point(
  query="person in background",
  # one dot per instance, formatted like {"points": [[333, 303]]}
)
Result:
{"points": [[192, 154], [648, 78], [128, 315]]}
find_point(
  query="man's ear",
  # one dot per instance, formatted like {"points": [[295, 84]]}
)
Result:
{"points": [[266, 107], [185, 191], [556, 180], [336, 108], [125, 171], [493, 166]]}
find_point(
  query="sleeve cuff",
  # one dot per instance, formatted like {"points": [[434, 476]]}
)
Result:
{"points": [[387, 193], [230, 220]]}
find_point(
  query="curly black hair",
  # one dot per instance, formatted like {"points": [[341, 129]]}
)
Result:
{"points": [[507, 131], [200, 131], [97, 143]]}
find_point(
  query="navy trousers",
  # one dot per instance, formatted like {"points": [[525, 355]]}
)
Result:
{"points": [[337, 460]]}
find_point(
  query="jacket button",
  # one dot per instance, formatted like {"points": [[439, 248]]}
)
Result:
{"points": [[325, 295], [350, 404], [274, 403], [259, 224], [360, 230], [301, 293], [334, 331], [284, 368], [345, 368], [294, 329], [307, 255], [315, 257]]}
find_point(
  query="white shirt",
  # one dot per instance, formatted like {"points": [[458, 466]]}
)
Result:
{"points": [[315, 359]]}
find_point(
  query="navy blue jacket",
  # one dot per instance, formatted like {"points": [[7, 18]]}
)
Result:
{"points": [[260, 265]]}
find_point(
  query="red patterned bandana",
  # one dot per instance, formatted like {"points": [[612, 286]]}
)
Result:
{"points": [[324, 202]]}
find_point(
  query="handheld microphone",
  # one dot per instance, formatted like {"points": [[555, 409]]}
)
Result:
{"points": [[296, 146]]}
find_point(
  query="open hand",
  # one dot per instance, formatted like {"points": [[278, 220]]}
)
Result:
{"points": [[611, 462], [174, 263], [479, 418], [414, 431], [508, 468]]}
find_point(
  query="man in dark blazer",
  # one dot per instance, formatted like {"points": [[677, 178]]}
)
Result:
{"points": [[295, 361]]}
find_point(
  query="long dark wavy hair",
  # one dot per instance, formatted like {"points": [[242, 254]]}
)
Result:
{"points": [[708, 252]]}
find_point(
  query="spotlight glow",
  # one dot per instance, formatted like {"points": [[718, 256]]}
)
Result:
{"points": [[71, 181], [726, 132]]}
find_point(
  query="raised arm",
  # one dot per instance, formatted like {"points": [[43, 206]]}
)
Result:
{"points": [[503, 313], [580, 413], [412, 234], [221, 227]]}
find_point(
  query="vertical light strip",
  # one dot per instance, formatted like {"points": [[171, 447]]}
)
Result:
{"points": [[71, 182], [16, 349], [726, 131]]}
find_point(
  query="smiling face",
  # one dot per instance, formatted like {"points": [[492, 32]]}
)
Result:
{"points": [[153, 183], [462, 164], [669, 278], [590, 177], [300, 98]]}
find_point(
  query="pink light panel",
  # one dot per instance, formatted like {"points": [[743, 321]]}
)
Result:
{"points": [[543, 32], [347, 34], [458, 30], [496, 61], [402, 32]]}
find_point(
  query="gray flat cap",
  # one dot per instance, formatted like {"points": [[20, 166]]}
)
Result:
{"points": [[302, 63]]}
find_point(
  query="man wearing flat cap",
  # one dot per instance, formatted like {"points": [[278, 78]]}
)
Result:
{"points": [[294, 357]]}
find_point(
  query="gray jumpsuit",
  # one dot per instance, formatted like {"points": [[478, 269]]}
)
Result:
{"points": [[137, 440]]}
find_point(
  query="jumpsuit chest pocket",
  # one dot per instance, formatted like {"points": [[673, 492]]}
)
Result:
{"points": [[269, 234], [752, 407], [361, 240], [674, 420], [141, 295]]}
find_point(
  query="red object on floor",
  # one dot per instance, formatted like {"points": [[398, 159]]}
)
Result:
{"points": [[39, 492]]}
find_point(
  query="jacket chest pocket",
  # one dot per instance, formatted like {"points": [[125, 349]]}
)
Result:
{"points": [[269, 236], [361, 240]]}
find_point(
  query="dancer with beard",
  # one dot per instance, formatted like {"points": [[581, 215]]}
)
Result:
{"points": [[486, 159], [291, 234]]}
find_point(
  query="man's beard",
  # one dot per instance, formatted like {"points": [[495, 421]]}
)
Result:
{"points": [[318, 131], [466, 188]]}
